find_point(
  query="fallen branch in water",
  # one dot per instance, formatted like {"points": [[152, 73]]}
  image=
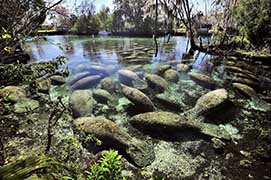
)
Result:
{"points": [[52, 121]]}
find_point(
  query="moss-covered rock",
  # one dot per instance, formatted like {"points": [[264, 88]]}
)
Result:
{"points": [[108, 84], [12, 93], [26, 105], [173, 164]]}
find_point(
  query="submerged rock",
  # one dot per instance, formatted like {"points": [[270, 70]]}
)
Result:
{"points": [[210, 102], [111, 135], [13, 93], [102, 96], [87, 82], [156, 82], [245, 89], [26, 105], [171, 75], [140, 100], [81, 103], [57, 80], [203, 80]]}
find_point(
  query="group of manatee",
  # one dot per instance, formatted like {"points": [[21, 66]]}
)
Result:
{"points": [[136, 87]]}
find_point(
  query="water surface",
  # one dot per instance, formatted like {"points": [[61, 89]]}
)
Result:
{"points": [[118, 51]]}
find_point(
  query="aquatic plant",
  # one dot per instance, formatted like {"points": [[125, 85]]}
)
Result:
{"points": [[107, 168], [24, 168]]}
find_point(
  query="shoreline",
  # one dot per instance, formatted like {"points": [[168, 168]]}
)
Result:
{"points": [[119, 34]]}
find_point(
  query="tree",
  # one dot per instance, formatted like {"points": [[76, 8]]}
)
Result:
{"points": [[105, 18], [254, 19], [118, 22], [18, 19], [87, 23], [129, 17], [180, 10]]}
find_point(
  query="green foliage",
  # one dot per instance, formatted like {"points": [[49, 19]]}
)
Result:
{"points": [[87, 25], [69, 147], [108, 167], [117, 21], [254, 19], [15, 28], [22, 169], [105, 19], [129, 16], [24, 73], [86, 22], [87, 138]]}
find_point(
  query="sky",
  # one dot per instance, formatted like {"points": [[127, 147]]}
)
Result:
{"points": [[99, 3], [199, 4]]}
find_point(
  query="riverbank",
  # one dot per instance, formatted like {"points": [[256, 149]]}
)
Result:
{"points": [[122, 34]]}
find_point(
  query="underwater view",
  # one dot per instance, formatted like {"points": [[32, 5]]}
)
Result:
{"points": [[132, 92], [176, 117]]}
